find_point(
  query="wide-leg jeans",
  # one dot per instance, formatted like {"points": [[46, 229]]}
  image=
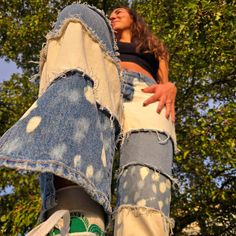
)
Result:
{"points": [[85, 106]]}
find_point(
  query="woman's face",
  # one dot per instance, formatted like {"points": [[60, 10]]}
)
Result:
{"points": [[120, 20]]}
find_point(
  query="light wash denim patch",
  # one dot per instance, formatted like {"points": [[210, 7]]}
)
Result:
{"points": [[145, 171], [127, 85], [65, 134]]}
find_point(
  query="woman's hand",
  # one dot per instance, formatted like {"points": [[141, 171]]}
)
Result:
{"points": [[165, 94]]}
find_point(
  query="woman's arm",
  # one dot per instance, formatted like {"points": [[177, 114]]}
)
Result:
{"points": [[163, 71], [164, 92]]}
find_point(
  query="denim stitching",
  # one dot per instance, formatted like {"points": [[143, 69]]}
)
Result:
{"points": [[38, 166], [124, 167]]}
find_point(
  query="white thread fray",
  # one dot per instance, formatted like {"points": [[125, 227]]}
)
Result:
{"points": [[137, 211]]}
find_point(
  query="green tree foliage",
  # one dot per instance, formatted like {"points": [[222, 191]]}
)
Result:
{"points": [[19, 205], [17, 94], [200, 36]]}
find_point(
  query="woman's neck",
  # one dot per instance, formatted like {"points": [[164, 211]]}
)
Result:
{"points": [[124, 36]]}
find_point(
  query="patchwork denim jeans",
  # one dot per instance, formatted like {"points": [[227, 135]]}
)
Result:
{"points": [[144, 176], [72, 129]]}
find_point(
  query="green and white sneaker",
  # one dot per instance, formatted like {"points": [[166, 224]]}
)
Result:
{"points": [[80, 224], [61, 224]]}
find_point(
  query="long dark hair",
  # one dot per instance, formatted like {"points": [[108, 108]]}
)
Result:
{"points": [[143, 38]]}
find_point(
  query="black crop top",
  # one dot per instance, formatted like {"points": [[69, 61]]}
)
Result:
{"points": [[146, 60]]}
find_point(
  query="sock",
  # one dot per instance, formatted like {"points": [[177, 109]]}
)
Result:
{"points": [[86, 214]]}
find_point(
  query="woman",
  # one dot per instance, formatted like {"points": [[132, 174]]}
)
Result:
{"points": [[147, 147], [69, 133], [129, 26]]}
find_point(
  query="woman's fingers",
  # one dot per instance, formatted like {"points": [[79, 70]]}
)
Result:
{"points": [[150, 100], [150, 89], [168, 107], [165, 94], [154, 98], [161, 103]]}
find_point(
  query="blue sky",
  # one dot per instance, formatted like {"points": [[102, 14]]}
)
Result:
{"points": [[7, 69]]}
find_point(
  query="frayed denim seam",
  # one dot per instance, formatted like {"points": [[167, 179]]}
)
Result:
{"points": [[85, 76], [103, 15], [168, 222], [112, 32], [160, 141], [39, 166], [114, 59], [112, 117], [114, 122], [112, 56], [123, 136], [51, 35], [109, 216], [121, 170]]}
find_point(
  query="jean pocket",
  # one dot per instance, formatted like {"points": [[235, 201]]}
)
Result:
{"points": [[127, 91]]}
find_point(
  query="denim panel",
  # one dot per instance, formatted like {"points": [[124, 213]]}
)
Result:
{"points": [[128, 77], [144, 187], [74, 45], [91, 16], [47, 192], [144, 221], [67, 135], [144, 179], [145, 173], [151, 148], [143, 118]]}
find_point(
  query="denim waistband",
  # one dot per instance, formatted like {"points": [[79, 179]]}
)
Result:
{"points": [[127, 74]]}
